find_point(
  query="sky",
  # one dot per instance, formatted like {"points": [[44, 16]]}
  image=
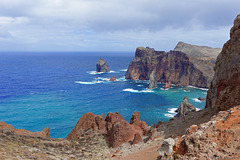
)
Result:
{"points": [[113, 25]]}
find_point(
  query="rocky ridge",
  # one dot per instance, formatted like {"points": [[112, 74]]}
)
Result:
{"points": [[174, 66], [225, 87]]}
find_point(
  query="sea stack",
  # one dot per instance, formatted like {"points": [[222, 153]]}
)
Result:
{"points": [[153, 80], [185, 107], [102, 65], [225, 87]]}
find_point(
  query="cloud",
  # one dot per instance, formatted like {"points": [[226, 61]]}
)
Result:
{"points": [[120, 24]]}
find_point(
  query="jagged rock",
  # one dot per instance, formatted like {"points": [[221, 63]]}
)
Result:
{"points": [[201, 99], [174, 66], [115, 129], [166, 148], [113, 78], [102, 65], [111, 119], [88, 121], [185, 107], [137, 138], [215, 139], [153, 80], [23, 132], [225, 87], [139, 126], [167, 85]]}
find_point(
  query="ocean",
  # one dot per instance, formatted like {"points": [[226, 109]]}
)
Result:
{"points": [[50, 89]]}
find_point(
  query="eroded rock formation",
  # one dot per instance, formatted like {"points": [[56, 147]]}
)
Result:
{"points": [[116, 130], [185, 107], [225, 87], [113, 78], [153, 80], [102, 65], [167, 85], [174, 66]]}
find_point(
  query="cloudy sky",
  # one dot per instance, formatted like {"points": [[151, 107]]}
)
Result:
{"points": [[113, 25]]}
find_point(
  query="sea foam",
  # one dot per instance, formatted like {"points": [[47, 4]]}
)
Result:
{"points": [[95, 72], [137, 91]]}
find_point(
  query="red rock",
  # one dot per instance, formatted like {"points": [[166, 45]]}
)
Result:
{"points": [[137, 138], [139, 126], [167, 85], [121, 132], [113, 79], [159, 124], [112, 118], [88, 121], [22, 132]]}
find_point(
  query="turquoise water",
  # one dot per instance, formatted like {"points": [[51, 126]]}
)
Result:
{"points": [[39, 90]]}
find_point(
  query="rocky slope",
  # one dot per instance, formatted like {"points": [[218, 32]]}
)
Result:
{"points": [[225, 87], [174, 66], [24, 145]]}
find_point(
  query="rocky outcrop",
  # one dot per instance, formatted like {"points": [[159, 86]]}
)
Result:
{"points": [[88, 121], [115, 129], [153, 80], [201, 99], [225, 87], [166, 149], [167, 85], [7, 128], [174, 66], [102, 65], [184, 108], [113, 78], [215, 139]]}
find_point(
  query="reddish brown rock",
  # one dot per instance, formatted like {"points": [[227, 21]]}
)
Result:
{"points": [[225, 88], [174, 66], [167, 85], [140, 126], [111, 119], [22, 132], [137, 138], [121, 132], [113, 78], [88, 121], [218, 138]]}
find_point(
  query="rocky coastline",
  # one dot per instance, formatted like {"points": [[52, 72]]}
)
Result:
{"points": [[211, 133], [180, 67]]}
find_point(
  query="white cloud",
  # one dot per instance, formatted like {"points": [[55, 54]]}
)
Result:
{"points": [[114, 24]]}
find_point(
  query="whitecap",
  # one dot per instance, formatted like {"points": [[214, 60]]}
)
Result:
{"points": [[131, 90], [169, 115], [186, 91], [139, 85], [124, 70], [204, 89], [147, 91], [164, 89], [172, 110], [93, 82], [95, 72], [196, 100], [121, 79], [198, 109]]}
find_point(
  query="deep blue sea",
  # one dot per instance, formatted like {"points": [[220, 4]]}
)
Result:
{"points": [[39, 90]]}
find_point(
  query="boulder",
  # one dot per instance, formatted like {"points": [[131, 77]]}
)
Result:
{"points": [[137, 138], [184, 108], [167, 85], [166, 148], [140, 126], [113, 78], [201, 99], [153, 80], [102, 65], [225, 86], [121, 132]]}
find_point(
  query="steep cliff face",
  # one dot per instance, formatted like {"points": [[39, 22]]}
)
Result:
{"points": [[174, 66], [225, 88]]}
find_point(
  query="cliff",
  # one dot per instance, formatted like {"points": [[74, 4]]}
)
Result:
{"points": [[225, 87], [102, 65], [174, 66]]}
